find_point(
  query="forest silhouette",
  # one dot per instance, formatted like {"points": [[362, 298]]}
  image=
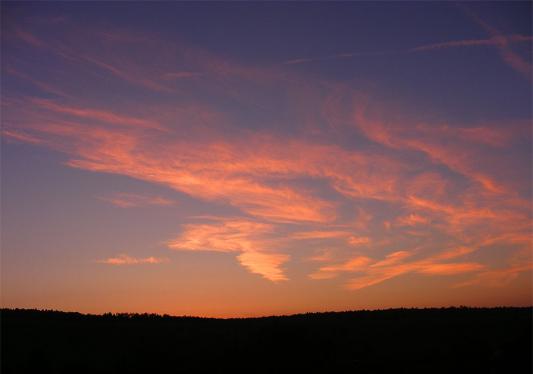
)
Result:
{"points": [[445, 340]]}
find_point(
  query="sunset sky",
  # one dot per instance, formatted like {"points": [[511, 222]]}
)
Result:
{"points": [[246, 159]]}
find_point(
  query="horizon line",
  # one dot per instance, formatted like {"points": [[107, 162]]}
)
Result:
{"points": [[184, 316]]}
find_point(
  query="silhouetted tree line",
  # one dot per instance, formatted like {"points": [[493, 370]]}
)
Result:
{"points": [[446, 340]]}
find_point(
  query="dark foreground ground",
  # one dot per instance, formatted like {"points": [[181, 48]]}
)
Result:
{"points": [[451, 340]]}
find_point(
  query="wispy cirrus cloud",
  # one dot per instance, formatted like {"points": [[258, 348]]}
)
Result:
{"points": [[128, 73], [497, 39], [320, 234], [124, 259], [255, 175], [347, 175], [358, 240], [45, 87], [412, 220], [182, 75], [393, 265], [338, 56], [496, 277], [433, 141], [29, 38], [503, 44], [247, 238], [493, 41], [232, 235], [92, 114], [131, 200], [20, 136]]}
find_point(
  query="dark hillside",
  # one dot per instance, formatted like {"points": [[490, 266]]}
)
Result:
{"points": [[449, 340]]}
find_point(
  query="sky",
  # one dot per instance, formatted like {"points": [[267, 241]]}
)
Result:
{"points": [[247, 159]]}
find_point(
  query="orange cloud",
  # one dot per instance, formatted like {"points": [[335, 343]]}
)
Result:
{"points": [[412, 220], [265, 264], [455, 215], [455, 252], [206, 171], [320, 234], [289, 188], [255, 172], [497, 277], [98, 115], [358, 240], [371, 279], [452, 147], [129, 200], [124, 259], [395, 264], [358, 263], [449, 269], [393, 258], [249, 239], [230, 235]]}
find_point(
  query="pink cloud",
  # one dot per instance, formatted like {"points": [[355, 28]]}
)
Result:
{"points": [[182, 75], [20, 136], [502, 42], [98, 115], [30, 38], [497, 40], [46, 87], [493, 41], [129, 74], [299, 61]]}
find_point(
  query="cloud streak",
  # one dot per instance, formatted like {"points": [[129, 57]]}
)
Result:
{"points": [[247, 238], [493, 41], [309, 168], [130, 200], [497, 39], [502, 42], [98, 115], [395, 264], [124, 259]]}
